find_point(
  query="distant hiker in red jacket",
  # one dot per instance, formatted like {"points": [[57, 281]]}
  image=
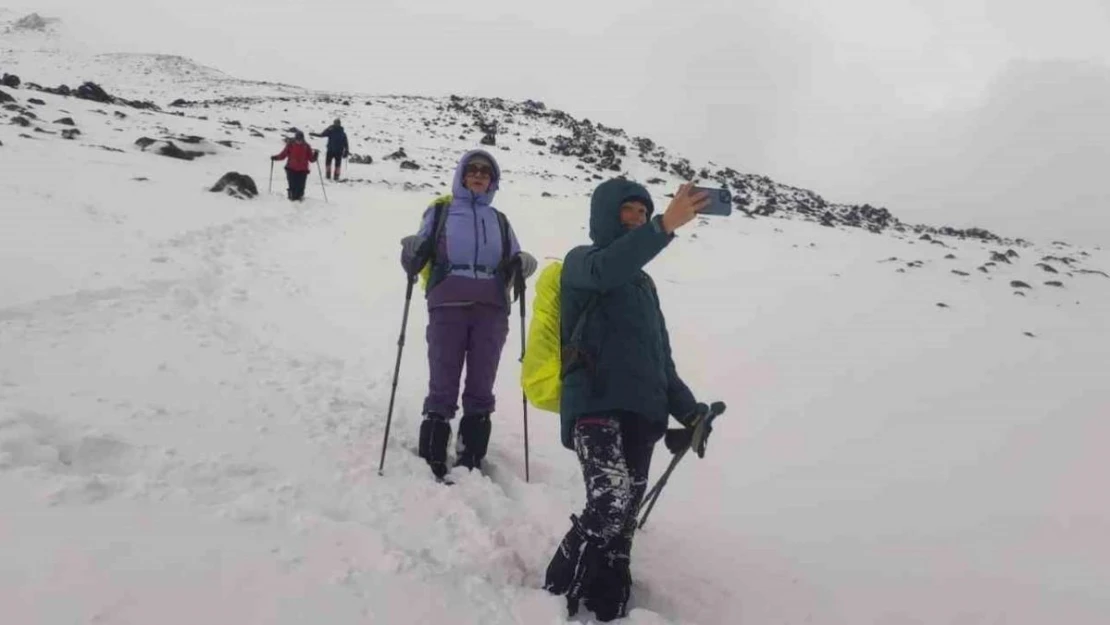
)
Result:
{"points": [[300, 154]]}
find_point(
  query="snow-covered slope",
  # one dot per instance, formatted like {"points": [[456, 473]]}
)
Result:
{"points": [[193, 387]]}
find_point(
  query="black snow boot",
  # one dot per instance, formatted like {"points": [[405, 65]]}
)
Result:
{"points": [[573, 567], [608, 594], [473, 440], [435, 433]]}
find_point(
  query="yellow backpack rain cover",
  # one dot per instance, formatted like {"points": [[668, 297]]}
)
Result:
{"points": [[540, 372], [440, 203]]}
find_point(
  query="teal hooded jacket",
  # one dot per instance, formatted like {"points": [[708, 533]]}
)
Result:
{"points": [[622, 361]]}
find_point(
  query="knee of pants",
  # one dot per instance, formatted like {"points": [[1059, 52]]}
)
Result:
{"points": [[613, 506]]}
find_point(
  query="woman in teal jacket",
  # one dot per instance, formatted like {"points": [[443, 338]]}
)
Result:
{"points": [[619, 386]]}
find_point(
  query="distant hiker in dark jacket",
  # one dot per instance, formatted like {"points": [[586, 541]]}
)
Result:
{"points": [[475, 256], [338, 148], [620, 386], [300, 155]]}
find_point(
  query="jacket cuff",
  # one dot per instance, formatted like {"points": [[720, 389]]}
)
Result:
{"points": [[657, 225]]}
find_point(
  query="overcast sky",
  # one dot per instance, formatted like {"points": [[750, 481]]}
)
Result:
{"points": [[963, 112]]}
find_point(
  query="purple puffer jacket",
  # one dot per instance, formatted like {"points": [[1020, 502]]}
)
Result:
{"points": [[470, 245]]}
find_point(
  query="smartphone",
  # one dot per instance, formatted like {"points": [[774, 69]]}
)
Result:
{"points": [[720, 201]]}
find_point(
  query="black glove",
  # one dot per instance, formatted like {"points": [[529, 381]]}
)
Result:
{"points": [[678, 439]]}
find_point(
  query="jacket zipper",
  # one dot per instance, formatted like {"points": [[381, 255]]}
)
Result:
{"points": [[474, 211]]}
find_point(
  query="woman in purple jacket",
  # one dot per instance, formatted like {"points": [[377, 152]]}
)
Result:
{"points": [[474, 257]]}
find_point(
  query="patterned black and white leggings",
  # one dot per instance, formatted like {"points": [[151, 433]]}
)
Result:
{"points": [[615, 470]]}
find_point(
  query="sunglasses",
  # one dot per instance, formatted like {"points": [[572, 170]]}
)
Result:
{"points": [[477, 169]]}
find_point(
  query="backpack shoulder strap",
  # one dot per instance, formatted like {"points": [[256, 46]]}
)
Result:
{"points": [[506, 244], [506, 253], [439, 223], [574, 354], [580, 324]]}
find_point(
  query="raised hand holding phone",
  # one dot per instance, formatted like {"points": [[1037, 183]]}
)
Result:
{"points": [[720, 201], [684, 206]]}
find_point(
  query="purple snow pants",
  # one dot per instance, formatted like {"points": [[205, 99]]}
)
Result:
{"points": [[474, 334]]}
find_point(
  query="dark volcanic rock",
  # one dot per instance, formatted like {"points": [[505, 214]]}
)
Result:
{"points": [[33, 21], [1093, 271], [236, 185], [92, 91], [173, 151]]}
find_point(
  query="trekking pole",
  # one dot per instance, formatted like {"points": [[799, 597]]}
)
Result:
{"points": [[524, 397], [322, 187], [696, 440], [271, 191], [653, 495], [397, 368]]}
